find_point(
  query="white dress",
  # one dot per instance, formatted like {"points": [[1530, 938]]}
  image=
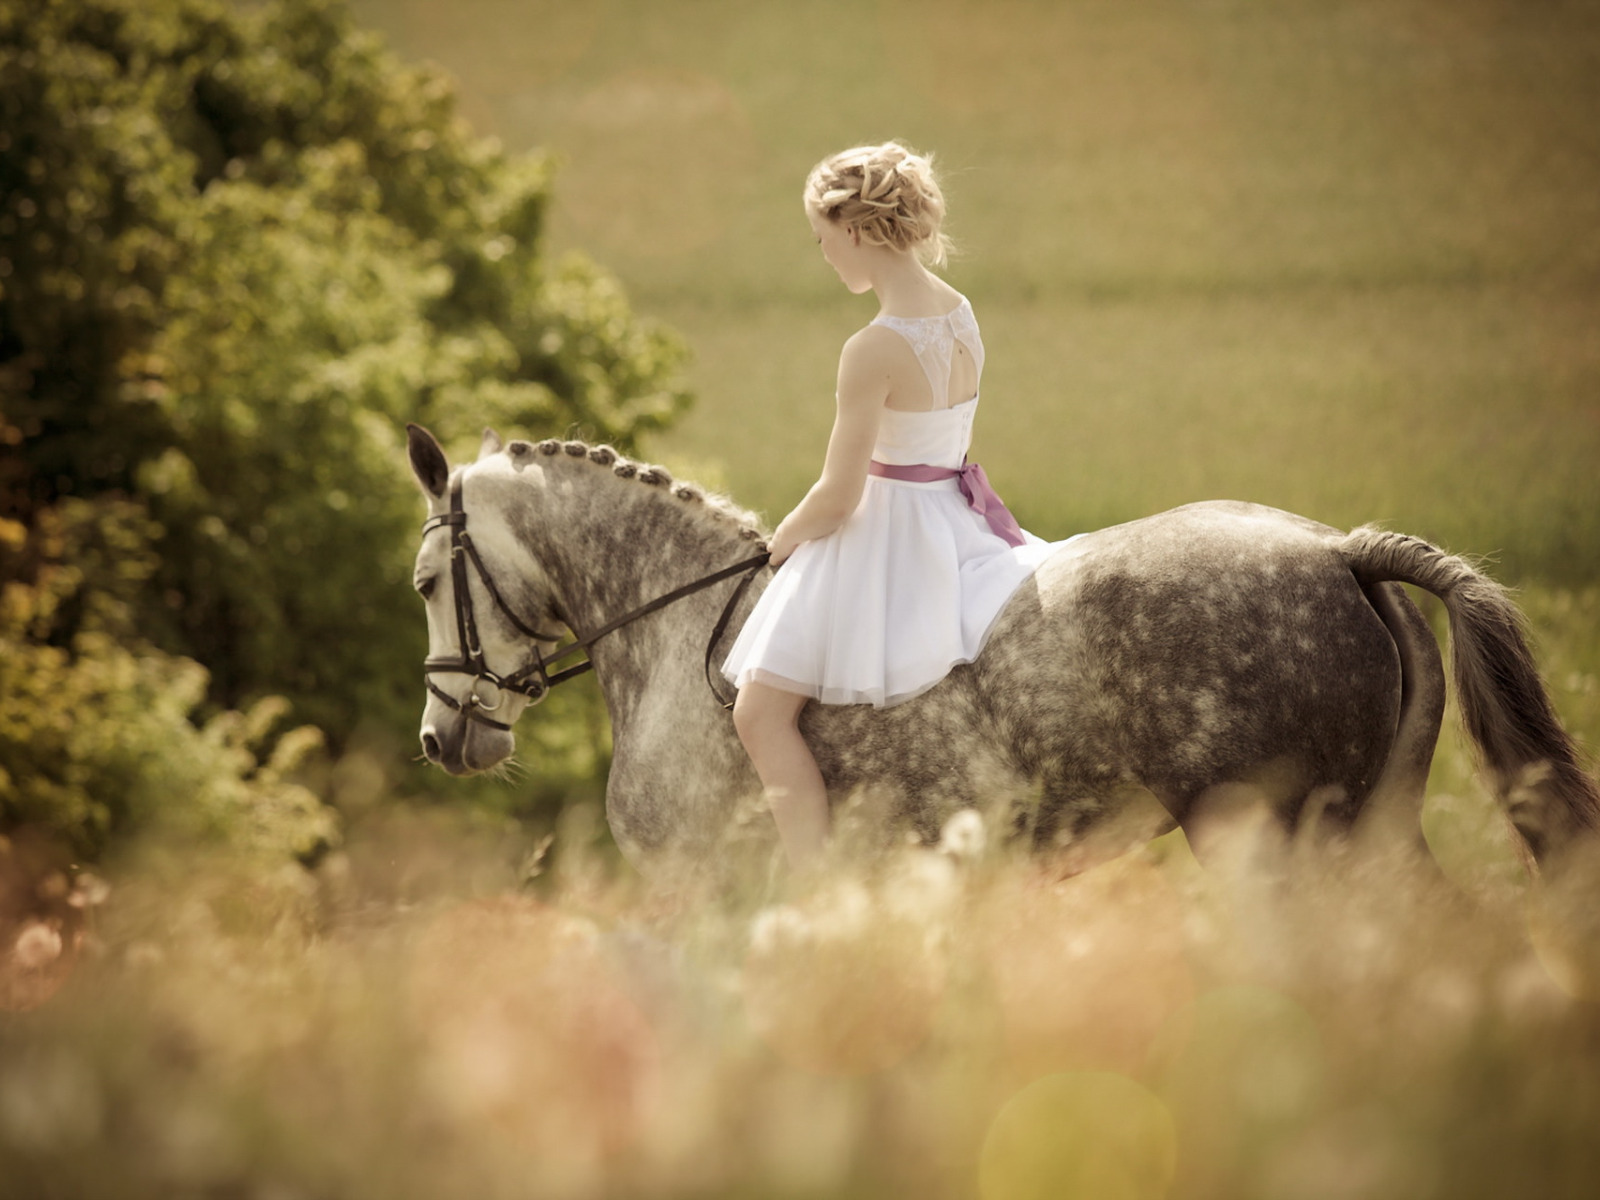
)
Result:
{"points": [[910, 585]]}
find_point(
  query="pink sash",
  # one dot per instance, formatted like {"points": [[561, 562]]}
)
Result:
{"points": [[974, 484]]}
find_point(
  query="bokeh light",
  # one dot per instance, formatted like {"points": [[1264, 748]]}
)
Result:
{"points": [[1079, 1136]]}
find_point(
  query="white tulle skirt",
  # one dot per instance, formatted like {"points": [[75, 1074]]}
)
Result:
{"points": [[881, 609]]}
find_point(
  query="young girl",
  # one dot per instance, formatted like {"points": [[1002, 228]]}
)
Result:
{"points": [[894, 566]]}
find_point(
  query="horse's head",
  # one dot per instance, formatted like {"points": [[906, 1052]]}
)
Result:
{"points": [[486, 604]]}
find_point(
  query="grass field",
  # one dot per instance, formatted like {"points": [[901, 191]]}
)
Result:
{"points": [[1337, 257], [1340, 256]]}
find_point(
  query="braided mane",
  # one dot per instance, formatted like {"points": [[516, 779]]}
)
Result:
{"points": [[744, 522]]}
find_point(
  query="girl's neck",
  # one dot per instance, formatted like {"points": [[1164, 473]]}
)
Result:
{"points": [[906, 288]]}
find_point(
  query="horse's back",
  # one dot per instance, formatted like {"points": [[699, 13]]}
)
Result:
{"points": [[1214, 642]]}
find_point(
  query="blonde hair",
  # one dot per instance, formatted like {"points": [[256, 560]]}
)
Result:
{"points": [[887, 193]]}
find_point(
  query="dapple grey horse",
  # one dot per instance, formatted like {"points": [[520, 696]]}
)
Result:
{"points": [[1146, 668]]}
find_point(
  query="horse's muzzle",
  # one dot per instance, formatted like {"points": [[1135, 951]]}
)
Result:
{"points": [[467, 749]]}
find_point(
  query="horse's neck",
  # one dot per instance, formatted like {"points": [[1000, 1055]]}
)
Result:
{"points": [[612, 545], [610, 553]]}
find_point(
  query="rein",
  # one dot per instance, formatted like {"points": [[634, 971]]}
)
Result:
{"points": [[536, 679]]}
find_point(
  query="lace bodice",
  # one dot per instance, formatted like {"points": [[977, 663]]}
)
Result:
{"points": [[938, 436], [933, 340]]}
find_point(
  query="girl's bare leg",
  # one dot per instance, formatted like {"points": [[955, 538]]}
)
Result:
{"points": [[767, 720]]}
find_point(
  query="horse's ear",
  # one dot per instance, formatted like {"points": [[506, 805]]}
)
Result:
{"points": [[427, 461], [491, 444]]}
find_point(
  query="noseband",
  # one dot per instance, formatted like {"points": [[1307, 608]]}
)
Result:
{"points": [[536, 679]]}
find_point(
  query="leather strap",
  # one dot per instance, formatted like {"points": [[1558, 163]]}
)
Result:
{"points": [[721, 627], [534, 680]]}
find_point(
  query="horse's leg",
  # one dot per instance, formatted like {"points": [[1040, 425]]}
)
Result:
{"points": [[1392, 814], [1245, 817], [1078, 825]]}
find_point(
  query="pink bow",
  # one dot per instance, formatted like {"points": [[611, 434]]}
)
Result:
{"points": [[983, 500], [981, 497]]}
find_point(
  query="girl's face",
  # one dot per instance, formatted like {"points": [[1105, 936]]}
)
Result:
{"points": [[843, 250]]}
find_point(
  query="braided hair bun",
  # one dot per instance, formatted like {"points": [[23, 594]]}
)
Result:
{"points": [[887, 193]]}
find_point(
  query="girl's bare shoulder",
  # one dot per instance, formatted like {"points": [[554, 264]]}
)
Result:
{"points": [[872, 343], [867, 364]]}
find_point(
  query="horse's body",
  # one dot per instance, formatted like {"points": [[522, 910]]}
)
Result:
{"points": [[1144, 672]]}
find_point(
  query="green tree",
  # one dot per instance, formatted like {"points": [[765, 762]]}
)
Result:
{"points": [[238, 249], [96, 737]]}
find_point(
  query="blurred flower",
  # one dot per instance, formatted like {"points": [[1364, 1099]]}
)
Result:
{"points": [[848, 980]]}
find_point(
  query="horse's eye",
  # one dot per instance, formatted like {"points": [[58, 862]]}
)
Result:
{"points": [[425, 588]]}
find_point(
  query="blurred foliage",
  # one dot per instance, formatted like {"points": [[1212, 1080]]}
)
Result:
{"points": [[96, 737], [238, 249]]}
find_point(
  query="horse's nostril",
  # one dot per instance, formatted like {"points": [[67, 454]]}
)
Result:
{"points": [[430, 747]]}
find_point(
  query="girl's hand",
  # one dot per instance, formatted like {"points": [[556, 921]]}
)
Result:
{"points": [[782, 545]]}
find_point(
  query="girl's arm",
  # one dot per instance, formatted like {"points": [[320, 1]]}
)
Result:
{"points": [[863, 388]]}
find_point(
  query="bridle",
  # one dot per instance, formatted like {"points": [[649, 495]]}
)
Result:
{"points": [[536, 678]]}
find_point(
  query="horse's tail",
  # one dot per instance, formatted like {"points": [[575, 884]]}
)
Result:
{"points": [[1530, 758]]}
